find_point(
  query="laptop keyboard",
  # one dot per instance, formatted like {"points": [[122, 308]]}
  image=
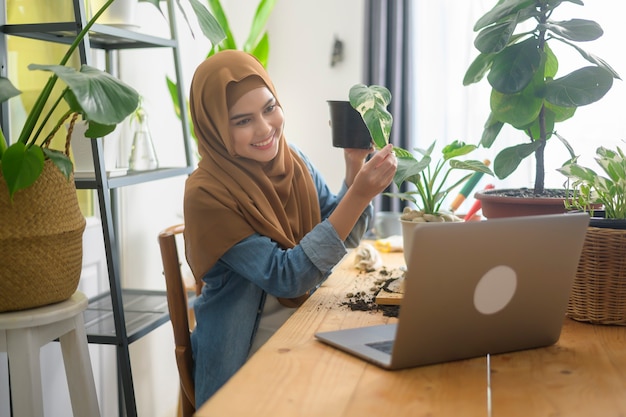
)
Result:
{"points": [[385, 346]]}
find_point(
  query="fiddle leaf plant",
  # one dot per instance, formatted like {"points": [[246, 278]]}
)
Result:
{"points": [[430, 182], [100, 99], [589, 189], [521, 67]]}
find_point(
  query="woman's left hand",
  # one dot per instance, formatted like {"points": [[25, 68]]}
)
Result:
{"points": [[355, 158]]}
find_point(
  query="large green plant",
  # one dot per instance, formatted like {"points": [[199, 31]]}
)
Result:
{"points": [[429, 178], [256, 44], [521, 68], [101, 99]]}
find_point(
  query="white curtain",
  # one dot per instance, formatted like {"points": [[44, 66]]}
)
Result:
{"points": [[445, 110]]}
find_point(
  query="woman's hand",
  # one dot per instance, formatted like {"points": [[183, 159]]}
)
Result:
{"points": [[376, 174], [355, 158], [370, 180]]}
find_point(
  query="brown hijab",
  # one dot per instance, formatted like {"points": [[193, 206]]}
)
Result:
{"points": [[228, 198]]}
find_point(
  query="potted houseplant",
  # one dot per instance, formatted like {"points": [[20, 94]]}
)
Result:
{"points": [[430, 182], [598, 293], [40, 221], [521, 68]]}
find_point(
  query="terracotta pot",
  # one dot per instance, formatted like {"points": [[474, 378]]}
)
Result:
{"points": [[347, 125], [495, 206]]}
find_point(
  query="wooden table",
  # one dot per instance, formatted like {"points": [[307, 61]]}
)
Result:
{"points": [[293, 374]]}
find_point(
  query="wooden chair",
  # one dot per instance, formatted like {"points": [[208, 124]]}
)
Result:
{"points": [[177, 301]]}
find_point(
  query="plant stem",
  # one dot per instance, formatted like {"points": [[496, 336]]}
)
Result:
{"points": [[539, 153], [47, 117], [35, 113]]}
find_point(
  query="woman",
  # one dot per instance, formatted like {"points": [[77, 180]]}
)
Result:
{"points": [[262, 229]]}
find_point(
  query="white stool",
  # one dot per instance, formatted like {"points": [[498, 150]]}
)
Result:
{"points": [[23, 333]]}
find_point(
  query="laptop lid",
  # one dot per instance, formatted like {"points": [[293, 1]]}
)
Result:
{"points": [[475, 288]]}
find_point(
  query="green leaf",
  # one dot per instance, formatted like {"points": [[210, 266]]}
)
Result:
{"points": [[371, 102], [576, 171], [579, 88], [208, 24], [533, 130], [518, 110], [592, 58], [229, 41], [7, 90], [552, 63], [507, 161], [578, 30], [471, 165], [514, 68], [455, 149], [62, 161], [257, 31], [21, 166], [560, 113], [409, 169], [477, 69], [502, 10], [102, 97], [491, 131], [262, 50], [493, 39], [97, 130]]}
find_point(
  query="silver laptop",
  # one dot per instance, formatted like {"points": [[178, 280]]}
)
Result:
{"points": [[475, 288]]}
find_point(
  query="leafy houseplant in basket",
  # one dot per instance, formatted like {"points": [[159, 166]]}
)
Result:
{"points": [[521, 68], [41, 224], [430, 182], [599, 290]]}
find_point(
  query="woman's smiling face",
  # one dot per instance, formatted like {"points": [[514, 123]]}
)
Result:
{"points": [[256, 125]]}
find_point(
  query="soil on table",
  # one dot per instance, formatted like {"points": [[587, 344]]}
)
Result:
{"points": [[366, 300]]}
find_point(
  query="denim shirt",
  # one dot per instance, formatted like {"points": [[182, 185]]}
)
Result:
{"points": [[229, 308]]}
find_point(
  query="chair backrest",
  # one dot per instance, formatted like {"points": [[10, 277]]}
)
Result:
{"points": [[177, 302]]}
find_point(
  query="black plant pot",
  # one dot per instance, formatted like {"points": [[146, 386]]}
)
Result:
{"points": [[598, 220], [348, 128]]}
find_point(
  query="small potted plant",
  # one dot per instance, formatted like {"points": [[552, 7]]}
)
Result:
{"points": [[41, 224], [598, 294], [527, 94], [429, 182]]}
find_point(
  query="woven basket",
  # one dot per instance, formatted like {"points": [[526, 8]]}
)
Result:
{"points": [[41, 245], [599, 292]]}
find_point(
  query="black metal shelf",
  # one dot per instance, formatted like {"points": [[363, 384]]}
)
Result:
{"points": [[144, 311], [100, 36], [120, 316], [131, 178]]}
